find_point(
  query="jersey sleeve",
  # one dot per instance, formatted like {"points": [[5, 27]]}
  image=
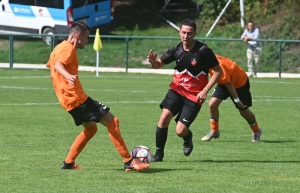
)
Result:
{"points": [[64, 56], [169, 55], [244, 34], [210, 57], [256, 34], [225, 77]]}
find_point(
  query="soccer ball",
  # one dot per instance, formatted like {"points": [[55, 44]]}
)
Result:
{"points": [[142, 153]]}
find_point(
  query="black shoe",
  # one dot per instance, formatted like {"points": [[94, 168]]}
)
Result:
{"points": [[70, 166], [135, 164], [188, 147], [157, 158]]}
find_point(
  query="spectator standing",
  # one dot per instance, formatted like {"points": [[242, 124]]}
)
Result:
{"points": [[254, 49]]}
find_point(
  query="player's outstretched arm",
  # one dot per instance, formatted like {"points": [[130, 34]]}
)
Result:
{"points": [[152, 58]]}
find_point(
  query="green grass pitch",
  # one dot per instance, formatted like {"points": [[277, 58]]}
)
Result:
{"points": [[36, 133]]}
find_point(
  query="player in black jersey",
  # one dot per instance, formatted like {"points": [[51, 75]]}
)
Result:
{"points": [[189, 87]]}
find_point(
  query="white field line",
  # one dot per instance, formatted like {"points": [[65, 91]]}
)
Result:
{"points": [[24, 88], [133, 91], [166, 77], [135, 102], [100, 76], [39, 88], [26, 77]]}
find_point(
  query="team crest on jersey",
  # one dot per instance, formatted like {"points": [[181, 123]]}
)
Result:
{"points": [[194, 61]]}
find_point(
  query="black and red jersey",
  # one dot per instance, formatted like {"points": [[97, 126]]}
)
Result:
{"points": [[191, 70]]}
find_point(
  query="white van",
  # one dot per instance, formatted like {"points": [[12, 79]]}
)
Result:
{"points": [[54, 16]]}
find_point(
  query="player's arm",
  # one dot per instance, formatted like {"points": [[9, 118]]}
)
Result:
{"points": [[155, 63], [60, 68], [234, 94], [201, 96], [244, 36], [255, 35]]}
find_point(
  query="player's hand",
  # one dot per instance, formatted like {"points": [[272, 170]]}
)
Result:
{"points": [[71, 79], [152, 56], [241, 105], [201, 96]]}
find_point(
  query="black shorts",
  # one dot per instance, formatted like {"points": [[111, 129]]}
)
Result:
{"points": [[221, 92], [186, 109], [90, 110]]}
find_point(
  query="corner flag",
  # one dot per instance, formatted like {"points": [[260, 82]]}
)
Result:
{"points": [[97, 42]]}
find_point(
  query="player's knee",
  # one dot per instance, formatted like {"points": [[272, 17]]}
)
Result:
{"points": [[164, 120], [181, 129], [213, 106], [180, 132]]}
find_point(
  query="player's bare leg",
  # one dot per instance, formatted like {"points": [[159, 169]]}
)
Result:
{"points": [[250, 118], [187, 135], [214, 104]]}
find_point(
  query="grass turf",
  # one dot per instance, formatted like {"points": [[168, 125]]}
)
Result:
{"points": [[36, 133]]}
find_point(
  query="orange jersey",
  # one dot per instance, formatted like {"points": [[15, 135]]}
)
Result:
{"points": [[231, 72], [69, 96]]}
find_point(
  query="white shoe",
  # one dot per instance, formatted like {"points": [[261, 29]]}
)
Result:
{"points": [[256, 136], [211, 135]]}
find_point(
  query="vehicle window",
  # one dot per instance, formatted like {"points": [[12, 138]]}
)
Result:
{"points": [[80, 3], [51, 4], [43, 3], [21, 2]]}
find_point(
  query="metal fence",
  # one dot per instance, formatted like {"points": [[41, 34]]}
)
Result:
{"points": [[131, 51]]}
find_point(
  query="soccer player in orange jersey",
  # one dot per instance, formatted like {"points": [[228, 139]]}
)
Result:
{"points": [[233, 83], [63, 64]]}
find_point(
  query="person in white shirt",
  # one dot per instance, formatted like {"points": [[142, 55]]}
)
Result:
{"points": [[254, 49]]}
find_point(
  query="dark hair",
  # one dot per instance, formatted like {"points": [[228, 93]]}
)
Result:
{"points": [[189, 22], [254, 25], [79, 27], [252, 22]]}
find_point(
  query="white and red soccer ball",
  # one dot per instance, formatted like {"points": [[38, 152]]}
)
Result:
{"points": [[142, 153]]}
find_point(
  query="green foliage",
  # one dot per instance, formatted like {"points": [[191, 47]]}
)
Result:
{"points": [[36, 134], [254, 10], [210, 10]]}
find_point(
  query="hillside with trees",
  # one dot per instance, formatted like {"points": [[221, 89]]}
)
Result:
{"points": [[277, 20]]}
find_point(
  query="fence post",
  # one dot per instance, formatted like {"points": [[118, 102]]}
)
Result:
{"points": [[52, 42], [11, 51], [127, 46], [280, 58]]}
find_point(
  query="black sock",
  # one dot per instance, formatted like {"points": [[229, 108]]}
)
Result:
{"points": [[188, 136], [161, 139]]}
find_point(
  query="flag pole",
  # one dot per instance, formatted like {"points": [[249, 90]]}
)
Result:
{"points": [[97, 46], [97, 64]]}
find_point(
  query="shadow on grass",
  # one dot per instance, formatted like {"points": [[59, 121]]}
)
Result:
{"points": [[271, 141], [261, 141], [157, 170], [236, 161]]}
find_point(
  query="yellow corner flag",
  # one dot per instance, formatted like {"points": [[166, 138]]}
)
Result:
{"points": [[97, 42]]}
